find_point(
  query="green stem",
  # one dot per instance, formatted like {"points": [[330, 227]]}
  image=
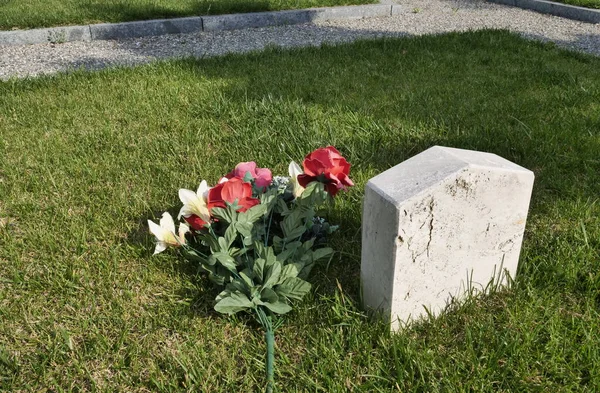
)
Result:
{"points": [[270, 338], [267, 323]]}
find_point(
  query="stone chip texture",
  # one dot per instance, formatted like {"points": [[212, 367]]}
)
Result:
{"points": [[410, 17]]}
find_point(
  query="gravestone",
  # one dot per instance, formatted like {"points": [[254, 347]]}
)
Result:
{"points": [[445, 222]]}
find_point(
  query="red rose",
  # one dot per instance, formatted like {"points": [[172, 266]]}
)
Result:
{"points": [[326, 165], [230, 191]]}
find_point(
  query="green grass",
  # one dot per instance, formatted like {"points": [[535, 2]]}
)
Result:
{"points": [[87, 158], [582, 3], [47, 13]]}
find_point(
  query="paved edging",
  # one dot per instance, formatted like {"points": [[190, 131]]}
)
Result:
{"points": [[558, 9], [195, 24]]}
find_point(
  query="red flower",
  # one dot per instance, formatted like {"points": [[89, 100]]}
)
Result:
{"points": [[262, 176], [326, 165], [230, 191], [195, 222]]}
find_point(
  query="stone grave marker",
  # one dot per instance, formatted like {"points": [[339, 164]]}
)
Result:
{"points": [[437, 225]]}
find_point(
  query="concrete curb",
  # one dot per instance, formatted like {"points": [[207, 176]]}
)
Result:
{"points": [[556, 9], [113, 31], [291, 17]]}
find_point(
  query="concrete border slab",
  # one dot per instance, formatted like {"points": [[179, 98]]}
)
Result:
{"points": [[40, 36], [290, 17], [557, 9], [254, 19], [194, 24], [111, 31]]}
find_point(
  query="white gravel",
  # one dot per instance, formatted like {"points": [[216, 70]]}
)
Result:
{"points": [[416, 17]]}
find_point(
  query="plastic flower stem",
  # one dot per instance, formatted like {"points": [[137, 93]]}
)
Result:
{"points": [[245, 251], [266, 322], [212, 232], [269, 227], [186, 247], [270, 338]]}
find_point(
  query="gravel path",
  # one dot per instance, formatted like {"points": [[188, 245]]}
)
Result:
{"points": [[417, 17]]}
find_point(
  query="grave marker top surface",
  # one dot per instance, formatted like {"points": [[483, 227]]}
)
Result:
{"points": [[431, 166]]}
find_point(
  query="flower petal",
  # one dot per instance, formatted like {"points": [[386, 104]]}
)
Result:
{"points": [[183, 229], [156, 230], [203, 189], [167, 223], [294, 170], [243, 167], [160, 247], [263, 177]]}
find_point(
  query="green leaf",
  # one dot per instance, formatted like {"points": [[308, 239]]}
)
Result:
{"points": [[307, 245], [253, 214], [231, 302], [223, 246], [268, 295], [294, 233], [282, 208], [248, 177], [259, 269], [269, 199], [236, 252], [238, 285], [292, 223], [245, 228], [279, 307], [193, 255], [284, 255], [210, 241], [314, 194], [217, 274], [228, 214], [226, 260], [272, 275], [247, 276], [290, 270], [322, 253], [215, 278], [293, 246], [230, 235], [277, 243], [293, 288]]}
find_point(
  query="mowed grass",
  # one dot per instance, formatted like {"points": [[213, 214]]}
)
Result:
{"points": [[47, 13], [87, 158]]}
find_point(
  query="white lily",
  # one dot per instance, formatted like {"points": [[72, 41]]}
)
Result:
{"points": [[295, 170], [165, 233], [195, 202]]}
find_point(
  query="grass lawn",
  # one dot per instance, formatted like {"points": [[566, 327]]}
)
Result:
{"points": [[87, 158], [46, 13], [582, 3]]}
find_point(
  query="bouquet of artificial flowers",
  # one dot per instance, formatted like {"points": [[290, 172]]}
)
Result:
{"points": [[257, 236]]}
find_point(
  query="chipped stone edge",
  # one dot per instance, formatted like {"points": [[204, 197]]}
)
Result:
{"points": [[574, 12], [195, 24]]}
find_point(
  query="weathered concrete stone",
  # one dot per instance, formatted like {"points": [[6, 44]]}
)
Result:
{"points": [[291, 17], [40, 36], [113, 31], [439, 224], [254, 19]]}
